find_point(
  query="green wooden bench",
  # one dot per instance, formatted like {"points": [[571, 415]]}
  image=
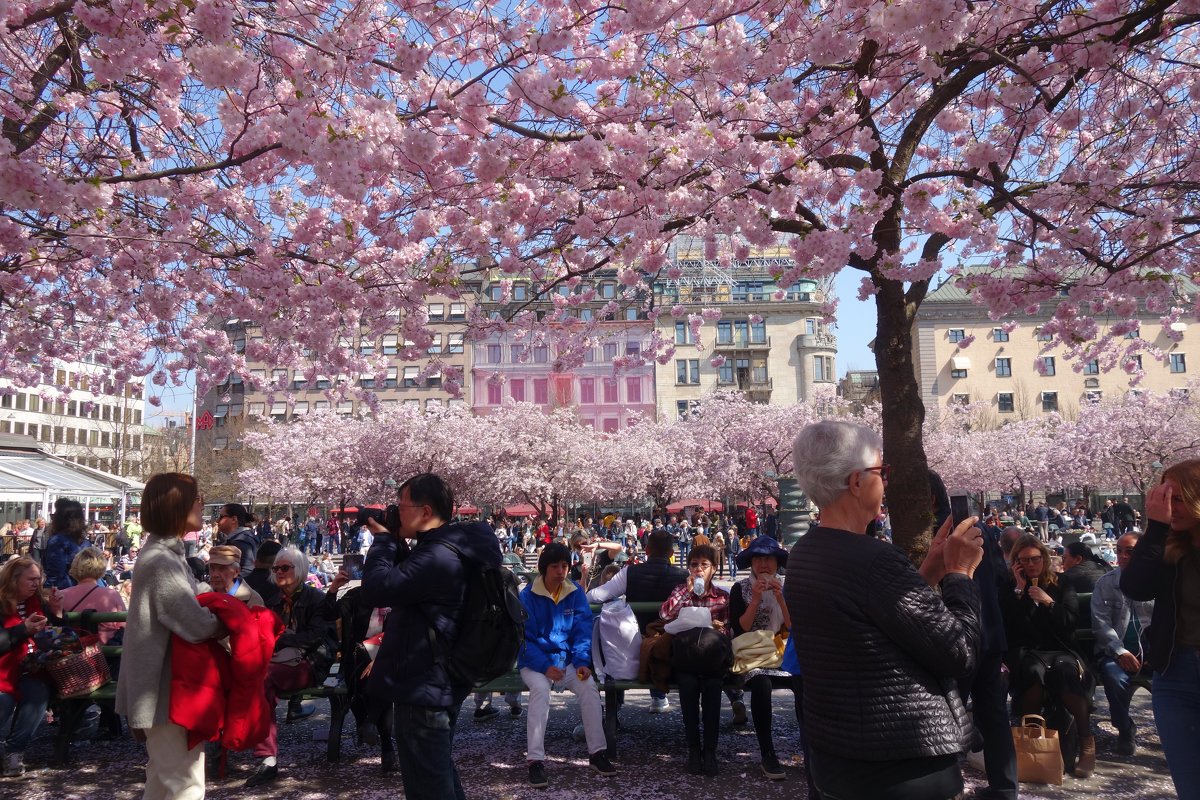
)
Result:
{"points": [[70, 712]]}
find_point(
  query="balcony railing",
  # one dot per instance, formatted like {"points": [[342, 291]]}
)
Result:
{"points": [[743, 343], [816, 341]]}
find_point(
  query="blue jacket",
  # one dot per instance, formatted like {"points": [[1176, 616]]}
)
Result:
{"points": [[556, 634], [56, 561], [423, 587]]}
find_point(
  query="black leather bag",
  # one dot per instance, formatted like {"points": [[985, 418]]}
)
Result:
{"points": [[701, 651]]}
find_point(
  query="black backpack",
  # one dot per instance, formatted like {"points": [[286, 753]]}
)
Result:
{"points": [[491, 627]]}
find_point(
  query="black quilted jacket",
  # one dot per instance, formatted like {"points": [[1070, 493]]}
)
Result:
{"points": [[880, 650]]}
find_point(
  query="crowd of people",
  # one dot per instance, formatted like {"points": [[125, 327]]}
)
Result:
{"points": [[882, 658]]}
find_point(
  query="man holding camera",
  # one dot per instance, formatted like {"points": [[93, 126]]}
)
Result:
{"points": [[424, 586]]}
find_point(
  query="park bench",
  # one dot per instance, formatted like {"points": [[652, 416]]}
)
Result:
{"points": [[1085, 638]]}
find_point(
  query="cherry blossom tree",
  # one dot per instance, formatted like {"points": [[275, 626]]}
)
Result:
{"points": [[1125, 442], [317, 169]]}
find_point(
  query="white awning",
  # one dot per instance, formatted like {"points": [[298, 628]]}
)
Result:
{"points": [[961, 362]]}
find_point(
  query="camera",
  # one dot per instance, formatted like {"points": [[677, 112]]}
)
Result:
{"points": [[387, 517]]}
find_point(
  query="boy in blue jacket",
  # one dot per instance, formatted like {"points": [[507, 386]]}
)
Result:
{"points": [[558, 654]]}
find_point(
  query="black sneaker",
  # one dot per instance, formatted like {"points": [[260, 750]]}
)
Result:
{"points": [[537, 775], [710, 764], [601, 764], [772, 768], [486, 712], [739, 713], [514, 710], [695, 764]]}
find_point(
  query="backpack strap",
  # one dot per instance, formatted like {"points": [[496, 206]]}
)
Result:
{"points": [[439, 655]]}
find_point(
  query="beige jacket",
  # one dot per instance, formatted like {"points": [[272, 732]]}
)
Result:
{"points": [[163, 602]]}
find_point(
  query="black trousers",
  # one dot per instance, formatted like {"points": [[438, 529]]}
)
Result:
{"points": [[990, 703], [699, 698], [934, 778]]}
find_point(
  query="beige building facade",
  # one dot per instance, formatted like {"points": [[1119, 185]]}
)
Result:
{"points": [[1012, 367], [775, 345]]}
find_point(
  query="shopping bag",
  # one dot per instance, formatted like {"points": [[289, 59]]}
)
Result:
{"points": [[1039, 759]]}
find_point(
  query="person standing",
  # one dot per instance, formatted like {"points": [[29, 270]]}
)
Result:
{"points": [[1165, 568], [233, 529], [164, 603], [425, 590]]}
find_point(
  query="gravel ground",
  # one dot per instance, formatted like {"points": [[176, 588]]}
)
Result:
{"points": [[490, 757]]}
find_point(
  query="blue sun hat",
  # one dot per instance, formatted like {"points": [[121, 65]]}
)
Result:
{"points": [[762, 546]]}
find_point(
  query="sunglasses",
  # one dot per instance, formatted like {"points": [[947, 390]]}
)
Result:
{"points": [[884, 470], [281, 568]]}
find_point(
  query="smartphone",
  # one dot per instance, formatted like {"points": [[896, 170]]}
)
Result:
{"points": [[960, 508], [353, 562]]}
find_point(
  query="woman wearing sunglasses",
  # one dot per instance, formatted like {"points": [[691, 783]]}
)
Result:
{"points": [[303, 652], [1040, 614]]}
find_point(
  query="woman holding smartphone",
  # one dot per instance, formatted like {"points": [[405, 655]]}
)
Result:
{"points": [[23, 698], [1040, 614]]}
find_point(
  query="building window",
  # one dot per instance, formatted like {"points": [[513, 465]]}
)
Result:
{"points": [[687, 370], [520, 291], [1093, 396], [632, 313], [960, 399], [300, 408], [610, 391], [493, 393], [587, 314], [516, 390], [1047, 366], [1178, 362], [611, 425], [1003, 367], [608, 291], [1049, 401], [587, 390], [633, 390], [999, 335], [1044, 337], [541, 354], [494, 292], [810, 327], [724, 331], [758, 332], [957, 334], [823, 368], [633, 349], [1005, 400], [958, 373], [391, 344], [610, 351], [541, 391], [392, 379], [1133, 334], [493, 354], [683, 334], [1092, 367], [683, 408], [725, 372], [455, 343], [1180, 393], [279, 411], [410, 377], [458, 312], [435, 344]]}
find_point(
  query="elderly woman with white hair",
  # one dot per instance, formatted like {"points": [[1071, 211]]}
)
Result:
{"points": [[879, 648], [303, 652]]}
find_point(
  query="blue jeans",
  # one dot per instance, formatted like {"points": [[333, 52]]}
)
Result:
{"points": [[35, 696], [1177, 714], [1119, 689], [424, 741], [732, 567]]}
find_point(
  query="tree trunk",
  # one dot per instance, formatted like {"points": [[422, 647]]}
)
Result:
{"points": [[903, 415]]}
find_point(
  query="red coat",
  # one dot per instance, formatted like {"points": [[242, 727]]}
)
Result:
{"points": [[10, 662], [215, 694]]}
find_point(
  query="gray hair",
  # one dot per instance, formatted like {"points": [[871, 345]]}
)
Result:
{"points": [[299, 562], [827, 452]]}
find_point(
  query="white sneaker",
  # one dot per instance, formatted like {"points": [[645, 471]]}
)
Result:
{"points": [[14, 764], [659, 705]]}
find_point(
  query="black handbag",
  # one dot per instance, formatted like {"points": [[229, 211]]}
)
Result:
{"points": [[701, 651]]}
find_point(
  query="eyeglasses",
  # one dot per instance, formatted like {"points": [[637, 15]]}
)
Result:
{"points": [[1029, 560], [281, 568], [884, 470]]}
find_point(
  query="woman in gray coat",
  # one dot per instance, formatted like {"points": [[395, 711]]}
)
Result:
{"points": [[164, 603]]}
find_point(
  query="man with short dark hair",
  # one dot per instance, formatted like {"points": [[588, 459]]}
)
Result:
{"points": [[233, 528], [649, 582], [425, 589], [259, 578]]}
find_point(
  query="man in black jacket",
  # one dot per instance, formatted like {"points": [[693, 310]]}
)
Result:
{"points": [[424, 588], [233, 528], [651, 582]]}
